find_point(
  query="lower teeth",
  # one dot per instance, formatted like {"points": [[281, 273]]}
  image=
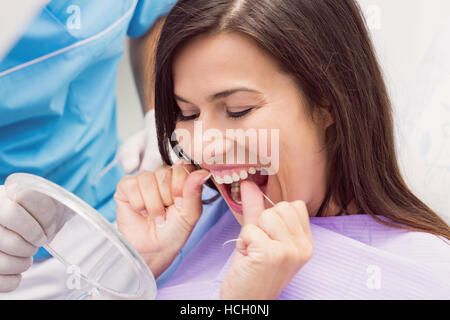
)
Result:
{"points": [[236, 191]]}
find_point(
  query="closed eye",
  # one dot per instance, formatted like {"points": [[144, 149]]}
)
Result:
{"points": [[233, 115], [239, 114], [181, 117]]}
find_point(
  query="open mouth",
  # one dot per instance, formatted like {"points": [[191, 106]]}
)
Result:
{"points": [[229, 183]]}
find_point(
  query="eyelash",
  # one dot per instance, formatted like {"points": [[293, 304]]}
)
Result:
{"points": [[240, 114], [188, 118], [232, 115]]}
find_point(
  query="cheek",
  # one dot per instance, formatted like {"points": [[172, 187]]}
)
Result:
{"points": [[300, 143]]}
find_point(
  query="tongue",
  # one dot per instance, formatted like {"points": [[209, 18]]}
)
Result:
{"points": [[258, 178]]}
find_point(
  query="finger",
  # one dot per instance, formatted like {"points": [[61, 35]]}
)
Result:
{"points": [[192, 197], [128, 191], [288, 213], [10, 265], [272, 224], [16, 218], [148, 187], [49, 213], [252, 202], [128, 220], [13, 244], [251, 238], [127, 215], [9, 283], [164, 178], [180, 172], [303, 215], [130, 152]]}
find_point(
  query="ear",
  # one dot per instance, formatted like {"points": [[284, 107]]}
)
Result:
{"points": [[323, 114], [328, 119]]}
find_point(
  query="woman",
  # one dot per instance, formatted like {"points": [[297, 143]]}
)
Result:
{"points": [[338, 221]]}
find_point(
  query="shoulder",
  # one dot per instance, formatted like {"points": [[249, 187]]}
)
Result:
{"points": [[421, 247]]}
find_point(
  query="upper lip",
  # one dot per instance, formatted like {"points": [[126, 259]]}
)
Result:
{"points": [[228, 167]]}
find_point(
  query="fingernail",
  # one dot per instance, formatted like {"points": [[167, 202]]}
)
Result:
{"points": [[160, 222], [178, 203], [144, 213], [207, 177]]}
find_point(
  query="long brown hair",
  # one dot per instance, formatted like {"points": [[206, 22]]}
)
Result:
{"points": [[325, 46]]}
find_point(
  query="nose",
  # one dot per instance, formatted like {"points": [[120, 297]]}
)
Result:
{"points": [[217, 147]]}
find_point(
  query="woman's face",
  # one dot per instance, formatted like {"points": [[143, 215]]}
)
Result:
{"points": [[227, 82]]}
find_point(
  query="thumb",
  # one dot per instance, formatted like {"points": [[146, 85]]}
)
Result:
{"points": [[252, 202], [192, 195]]}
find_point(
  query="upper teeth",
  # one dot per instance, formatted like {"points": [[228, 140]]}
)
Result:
{"points": [[235, 176]]}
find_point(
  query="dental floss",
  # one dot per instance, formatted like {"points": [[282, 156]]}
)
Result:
{"points": [[267, 198], [234, 240]]}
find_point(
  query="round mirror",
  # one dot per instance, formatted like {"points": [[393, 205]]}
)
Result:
{"points": [[102, 264]]}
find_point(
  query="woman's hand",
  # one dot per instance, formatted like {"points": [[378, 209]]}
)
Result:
{"points": [[274, 245], [157, 211]]}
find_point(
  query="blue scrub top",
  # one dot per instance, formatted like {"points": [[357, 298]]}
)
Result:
{"points": [[57, 95]]}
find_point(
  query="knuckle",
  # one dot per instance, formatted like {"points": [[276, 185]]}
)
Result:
{"points": [[265, 216], [247, 230], [163, 175], [8, 242], [137, 207], [283, 205], [146, 178], [308, 250], [290, 256], [177, 187], [8, 211], [126, 183], [300, 205]]}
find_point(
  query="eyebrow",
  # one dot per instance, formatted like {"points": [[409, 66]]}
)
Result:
{"points": [[222, 94]]}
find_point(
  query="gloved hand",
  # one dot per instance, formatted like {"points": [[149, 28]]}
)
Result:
{"points": [[28, 220], [140, 151]]}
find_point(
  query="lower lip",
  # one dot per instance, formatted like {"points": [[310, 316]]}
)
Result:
{"points": [[236, 207]]}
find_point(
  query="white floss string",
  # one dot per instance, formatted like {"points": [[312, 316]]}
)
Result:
{"points": [[267, 198], [232, 240], [235, 240]]}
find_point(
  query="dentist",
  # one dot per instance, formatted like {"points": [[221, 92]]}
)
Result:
{"points": [[58, 121]]}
